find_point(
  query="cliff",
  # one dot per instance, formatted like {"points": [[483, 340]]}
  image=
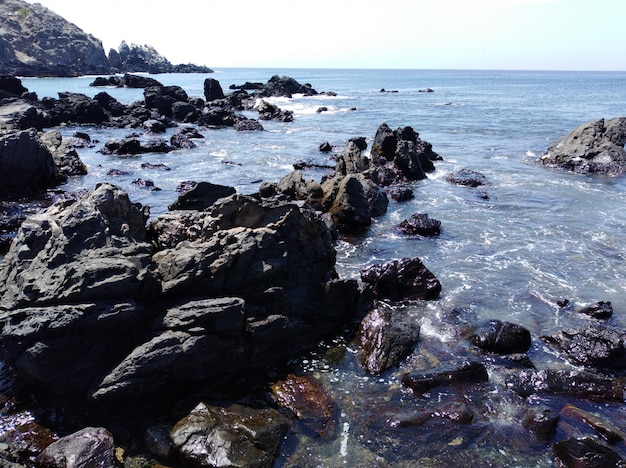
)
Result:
{"points": [[35, 41]]}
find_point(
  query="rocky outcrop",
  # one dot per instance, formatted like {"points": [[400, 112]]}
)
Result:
{"points": [[96, 306], [144, 58], [594, 147], [36, 41]]}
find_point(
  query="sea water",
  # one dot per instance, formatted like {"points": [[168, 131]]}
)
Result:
{"points": [[531, 237]]}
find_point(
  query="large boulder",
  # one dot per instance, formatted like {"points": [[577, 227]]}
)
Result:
{"points": [[95, 305], [401, 279], [593, 147], [92, 446], [26, 164]]}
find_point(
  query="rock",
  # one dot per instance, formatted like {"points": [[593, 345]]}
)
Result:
{"points": [[10, 86], [595, 346], [541, 422], [26, 164], [132, 146], [163, 98], [184, 112], [580, 384], [74, 108], [585, 452], [401, 194], [269, 111], [347, 204], [110, 104], [154, 126], [244, 124], [309, 402], [467, 178], [593, 147], [212, 90], [38, 42], [92, 446], [284, 86], [459, 374], [400, 155], [325, 147], [228, 437], [386, 336], [420, 224], [402, 279], [600, 310], [158, 441], [64, 154], [605, 429], [295, 187], [144, 58], [501, 337], [351, 160], [201, 196]]}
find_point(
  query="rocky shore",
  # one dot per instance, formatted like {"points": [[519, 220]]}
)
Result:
{"points": [[170, 341]]}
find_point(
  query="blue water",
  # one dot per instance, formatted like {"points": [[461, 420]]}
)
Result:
{"points": [[542, 235]]}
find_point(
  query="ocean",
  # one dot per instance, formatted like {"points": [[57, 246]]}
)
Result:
{"points": [[539, 236]]}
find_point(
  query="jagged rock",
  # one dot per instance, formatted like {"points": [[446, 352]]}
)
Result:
{"points": [[132, 146], [401, 194], [163, 98], [269, 111], [201, 196], [386, 336], [581, 384], [594, 147], [595, 346], [326, 147], [145, 58], [244, 124], [459, 374], [284, 86], [127, 81], [92, 446], [402, 279], [236, 436], [347, 203], [586, 452], [295, 187], [500, 337], [309, 402], [467, 178], [64, 154], [351, 160], [26, 164], [212, 90], [542, 422], [601, 310], [420, 224]]}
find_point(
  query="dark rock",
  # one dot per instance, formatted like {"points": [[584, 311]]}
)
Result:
{"points": [[420, 224], [154, 126], [158, 441], [132, 146], [458, 374], [295, 187], [127, 81], [309, 402], [426, 90], [110, 104], [74, 108], [26, 164], [144, 58], [247, 86], [325, 147], [600, 310], [217, 117], [386, 336], [577, 383], [244, 124], [158, 167], [184, 111], [64, 154], [586, 452], [201, 195], [269, 111], [467, 178], [228, 437], [212, 90], [117, 172], [91, 446], [594, 346], [542, 422], [347, 204], [501, 337], [608, 431], [284, 86], [401, 194], [402, 279], [181, 141], [351, 160], [594, 147], [11, 86]]}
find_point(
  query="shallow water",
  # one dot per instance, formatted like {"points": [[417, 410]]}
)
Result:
{"points": [[541, 235]]}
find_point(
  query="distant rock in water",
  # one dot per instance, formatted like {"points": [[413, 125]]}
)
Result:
{"points": [[145, 58], [594, 147]]}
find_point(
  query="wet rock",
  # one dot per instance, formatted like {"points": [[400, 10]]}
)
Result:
{"points": [[593, 147], [158, 441], [132, 146], [295, 187], [326, 147], [605, 429], [453, 411], [201, 196], [26, 164], [421, 225], [347, 204], [227, 437], [91, 446], [269, 111], [284, 86], [595, 346], [351, 160], [156, 167], [467, 178], [542, 422], [244, 124], [402, 279], [501, 337], [576, 383], [386, 336], [586, 452], [309, 402], [154, 126], [74, 108], [401, 194], [11, 86], [600, 310], [64, 154], [458, 374], [184, 112], [212, 90], [162, 98]]}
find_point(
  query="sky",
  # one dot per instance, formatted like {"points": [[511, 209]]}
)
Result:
{"points": [[403, 34]]}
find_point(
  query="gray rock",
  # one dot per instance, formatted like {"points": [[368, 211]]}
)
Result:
{"points": [[26, 164], [201, 195], [594, 147], [64, 154], [236, 436], [401, 279], [89, 447]]}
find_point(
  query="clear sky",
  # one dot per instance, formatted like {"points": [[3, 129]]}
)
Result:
{"points": [[473, 34]]}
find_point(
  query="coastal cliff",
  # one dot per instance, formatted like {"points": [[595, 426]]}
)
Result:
{"points": [[35, 41]]}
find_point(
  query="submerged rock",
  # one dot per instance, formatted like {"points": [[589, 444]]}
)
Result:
{"points": [[459, 374], [586, 452], [593, 147], [467, 178]]}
